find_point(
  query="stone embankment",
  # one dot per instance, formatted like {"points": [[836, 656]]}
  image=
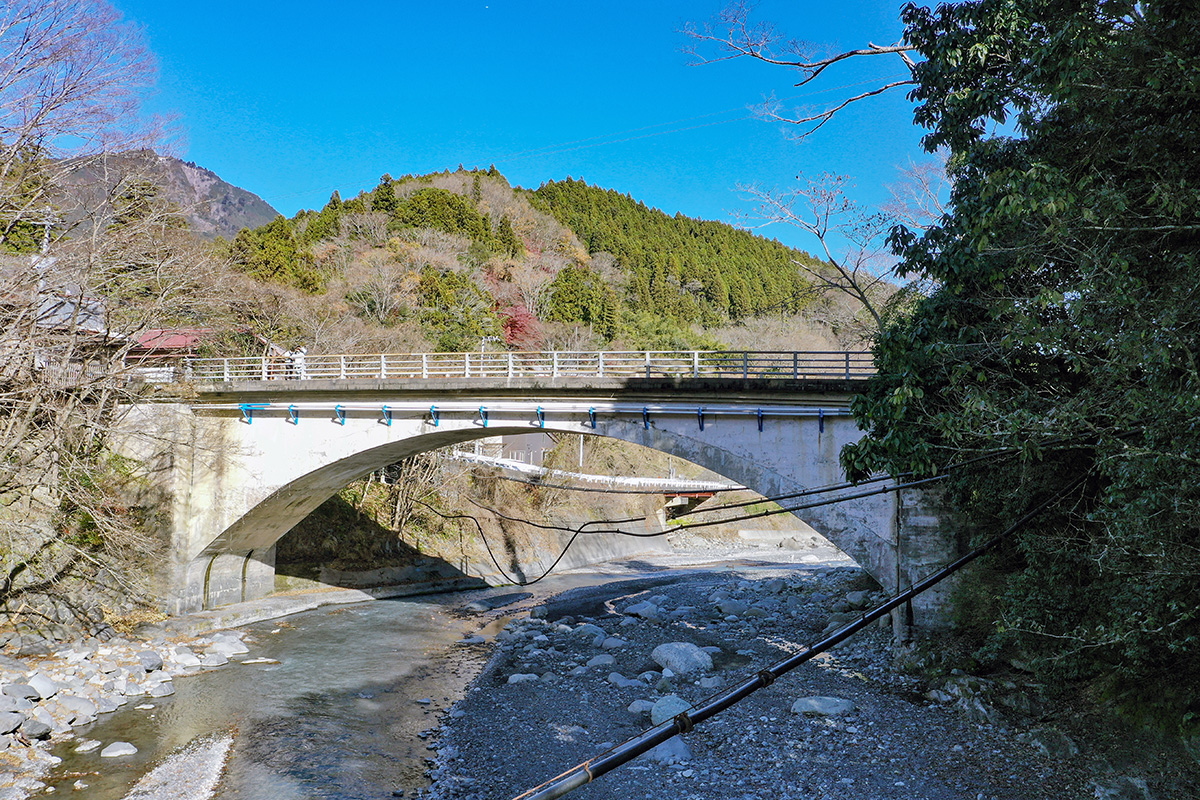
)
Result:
{"points": [[43, 700], [596, 666]]}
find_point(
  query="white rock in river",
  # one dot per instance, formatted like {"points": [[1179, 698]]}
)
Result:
{"points": [[43, 685], [117, 749], [682, 658], [823, 706]]}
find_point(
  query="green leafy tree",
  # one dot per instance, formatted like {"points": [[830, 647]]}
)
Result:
{"points": [[271, 253], [1064, 327], [580, 295], [456, 313], [383, 196], [664, 254]]}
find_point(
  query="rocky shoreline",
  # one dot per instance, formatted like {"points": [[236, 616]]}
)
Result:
{"points": [[595, 666], [588, 668], [44, 698]]}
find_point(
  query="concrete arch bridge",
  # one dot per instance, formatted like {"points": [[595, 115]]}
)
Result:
{"points": [[239, 462]]}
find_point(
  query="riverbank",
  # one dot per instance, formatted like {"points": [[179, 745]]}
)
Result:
{"points": [[589, 669], [46, 698]]}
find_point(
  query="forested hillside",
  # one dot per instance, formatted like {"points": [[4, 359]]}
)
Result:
{"points": [[688, 269], [456, 260]]}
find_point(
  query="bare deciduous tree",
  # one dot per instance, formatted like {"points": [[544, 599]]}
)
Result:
{"points": [[367, 226], [386, 288], [734, 35], [822, 209], [919, 199], [90, 256]]}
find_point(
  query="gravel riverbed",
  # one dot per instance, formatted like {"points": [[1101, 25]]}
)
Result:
{"points": [[571, 674], [589, 669]]}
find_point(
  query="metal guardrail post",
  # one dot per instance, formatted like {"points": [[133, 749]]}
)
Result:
{"points": [[342, 367], [647, 363], [510, 364], [467, 365], [695, 363], [745, 365], [225, 363], [795, 365], [264, 368], [600, 364], [847, 365], [554, 367], [424, 365], [383, 368]]}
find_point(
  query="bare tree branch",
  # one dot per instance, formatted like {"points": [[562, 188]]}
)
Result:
{"points": [[732, 35]]}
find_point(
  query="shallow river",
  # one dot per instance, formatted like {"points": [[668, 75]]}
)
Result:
{"points": [[337, 717]]}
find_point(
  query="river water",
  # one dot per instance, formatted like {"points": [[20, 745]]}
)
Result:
{"points": [[337, 715], [335, 708]]}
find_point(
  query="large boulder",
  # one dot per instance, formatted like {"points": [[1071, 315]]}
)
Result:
{"points": [[10, 721], [682, 658], [150, 660]]}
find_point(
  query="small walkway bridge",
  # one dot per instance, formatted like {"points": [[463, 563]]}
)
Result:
{"points": [[242, 449]]}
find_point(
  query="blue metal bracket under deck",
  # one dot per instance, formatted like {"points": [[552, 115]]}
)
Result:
{"points": [[247, 410]]}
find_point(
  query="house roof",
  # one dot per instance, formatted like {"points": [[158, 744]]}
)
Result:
{"points": [[171, 339]]}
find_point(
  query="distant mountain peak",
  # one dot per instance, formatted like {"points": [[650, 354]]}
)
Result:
{"points": [[214, 207]]}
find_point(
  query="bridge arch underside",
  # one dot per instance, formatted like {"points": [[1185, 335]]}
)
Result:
{"points": [[274, 471]]}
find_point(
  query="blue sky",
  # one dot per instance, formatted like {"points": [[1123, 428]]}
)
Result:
{"points": [[293, 100]]}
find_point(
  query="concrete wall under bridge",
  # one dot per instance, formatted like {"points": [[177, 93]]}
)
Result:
{"points": [[240, 464]]}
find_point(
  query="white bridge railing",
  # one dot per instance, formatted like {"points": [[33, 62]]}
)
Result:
{"points": [[836, 365]]}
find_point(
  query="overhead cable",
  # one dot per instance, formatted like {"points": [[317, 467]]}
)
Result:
{"points": [[606, 762]]}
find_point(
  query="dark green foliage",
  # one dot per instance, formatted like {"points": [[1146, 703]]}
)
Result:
{"points": [[23, 188], [383, 198], [680, 267], [443, 211], [1065, 326], [271, 253], [21, 237], [456, 313], [506, 238], [580, 295], [325, 225]]}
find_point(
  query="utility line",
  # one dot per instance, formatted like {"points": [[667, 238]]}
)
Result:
{"points": [[684, 722], [584, 528]]}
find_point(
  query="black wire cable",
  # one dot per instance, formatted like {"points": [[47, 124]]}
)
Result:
{"points": [[492, 555], [576, 532], [630, 749], [582, 529]]}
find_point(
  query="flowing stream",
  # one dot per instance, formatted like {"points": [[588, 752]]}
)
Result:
{"points": [[336, 714]]}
